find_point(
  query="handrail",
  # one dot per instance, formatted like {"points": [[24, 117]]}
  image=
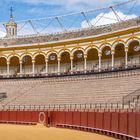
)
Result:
{"points": [[69, 74], [128, 98], [89, 106]]}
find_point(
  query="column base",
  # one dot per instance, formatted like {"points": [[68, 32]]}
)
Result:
{"points": [[126, 67], [85, 71], [113, 68], [71, 72], [20, 75]]}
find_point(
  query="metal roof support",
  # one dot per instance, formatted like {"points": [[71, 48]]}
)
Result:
{"points": [[35, 30], [61, 25], [115, 13], [87, 20]]}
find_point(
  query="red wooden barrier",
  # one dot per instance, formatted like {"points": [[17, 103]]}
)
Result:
{"points": [[53, 116], [123, 123], [5, 115], [27, 116], [68, 119], [20, 115], [0, 115], [138, 124], [99, 120], [13, 116], [91, 119], [76, 118], [35, 116], [61, 117], [46, 119], [115, 122], [107, 121], [84, 119], [132, 124]]}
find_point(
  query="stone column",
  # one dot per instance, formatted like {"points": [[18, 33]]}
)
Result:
{"points": [[46, 71], [58, 65], [100, 61], [71, 60], [20, 62], [85, 63], [33, 67], [113, 53], [126, 58], [8, 68]]}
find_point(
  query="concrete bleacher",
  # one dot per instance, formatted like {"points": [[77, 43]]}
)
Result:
{"points": [[102, 88]]}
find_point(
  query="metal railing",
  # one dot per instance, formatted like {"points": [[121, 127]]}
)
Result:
{"points": [[64, 106], [130, 97]]}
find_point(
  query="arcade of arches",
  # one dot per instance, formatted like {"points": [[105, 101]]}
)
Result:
{"points": [[68, 62]]}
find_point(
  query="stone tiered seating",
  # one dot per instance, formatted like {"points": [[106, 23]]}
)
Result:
{"points": [[105, 88]]}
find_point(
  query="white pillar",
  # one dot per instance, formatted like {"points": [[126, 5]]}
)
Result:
{"points": [[126, 58], [100, 62], [113, 60], [58, 65], [20, 67], [46, 66], [85, 63], [71, 60], [33, 67], [8, 68]]}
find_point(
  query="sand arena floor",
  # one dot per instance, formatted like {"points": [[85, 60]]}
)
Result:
{"points": [[21, 132]]}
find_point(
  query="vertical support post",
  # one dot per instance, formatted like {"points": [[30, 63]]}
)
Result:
{"points": [[58, 65], [20, 67], [46, 70], [33, 67], [126, 58], [71, 59], [113, 53], [100, 61], [8, 68], [85, 63]]}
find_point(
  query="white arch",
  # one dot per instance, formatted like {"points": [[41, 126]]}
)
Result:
{"points": [[90, 48], [77, 49], [37, 54], [50, 53], [11, 56], [117, 43], [104, 46], [28, 54], [132, 40], [63, 51], [4, 57]]}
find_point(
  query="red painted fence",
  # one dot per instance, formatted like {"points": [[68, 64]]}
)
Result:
{"points": [[121, 122]]}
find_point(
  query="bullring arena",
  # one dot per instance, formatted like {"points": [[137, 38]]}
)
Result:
{"points": [[73, 85]]}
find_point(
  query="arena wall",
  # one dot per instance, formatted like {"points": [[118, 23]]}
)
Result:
{"points": [[114, 123]]}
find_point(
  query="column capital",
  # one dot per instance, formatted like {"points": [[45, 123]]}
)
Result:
{"points": [[100, 54], [85, 56], [8, 62], [126, 49], [33, 60], [112, 52], [71, 57], [59, 58], [20, 61], [46, 59]]}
